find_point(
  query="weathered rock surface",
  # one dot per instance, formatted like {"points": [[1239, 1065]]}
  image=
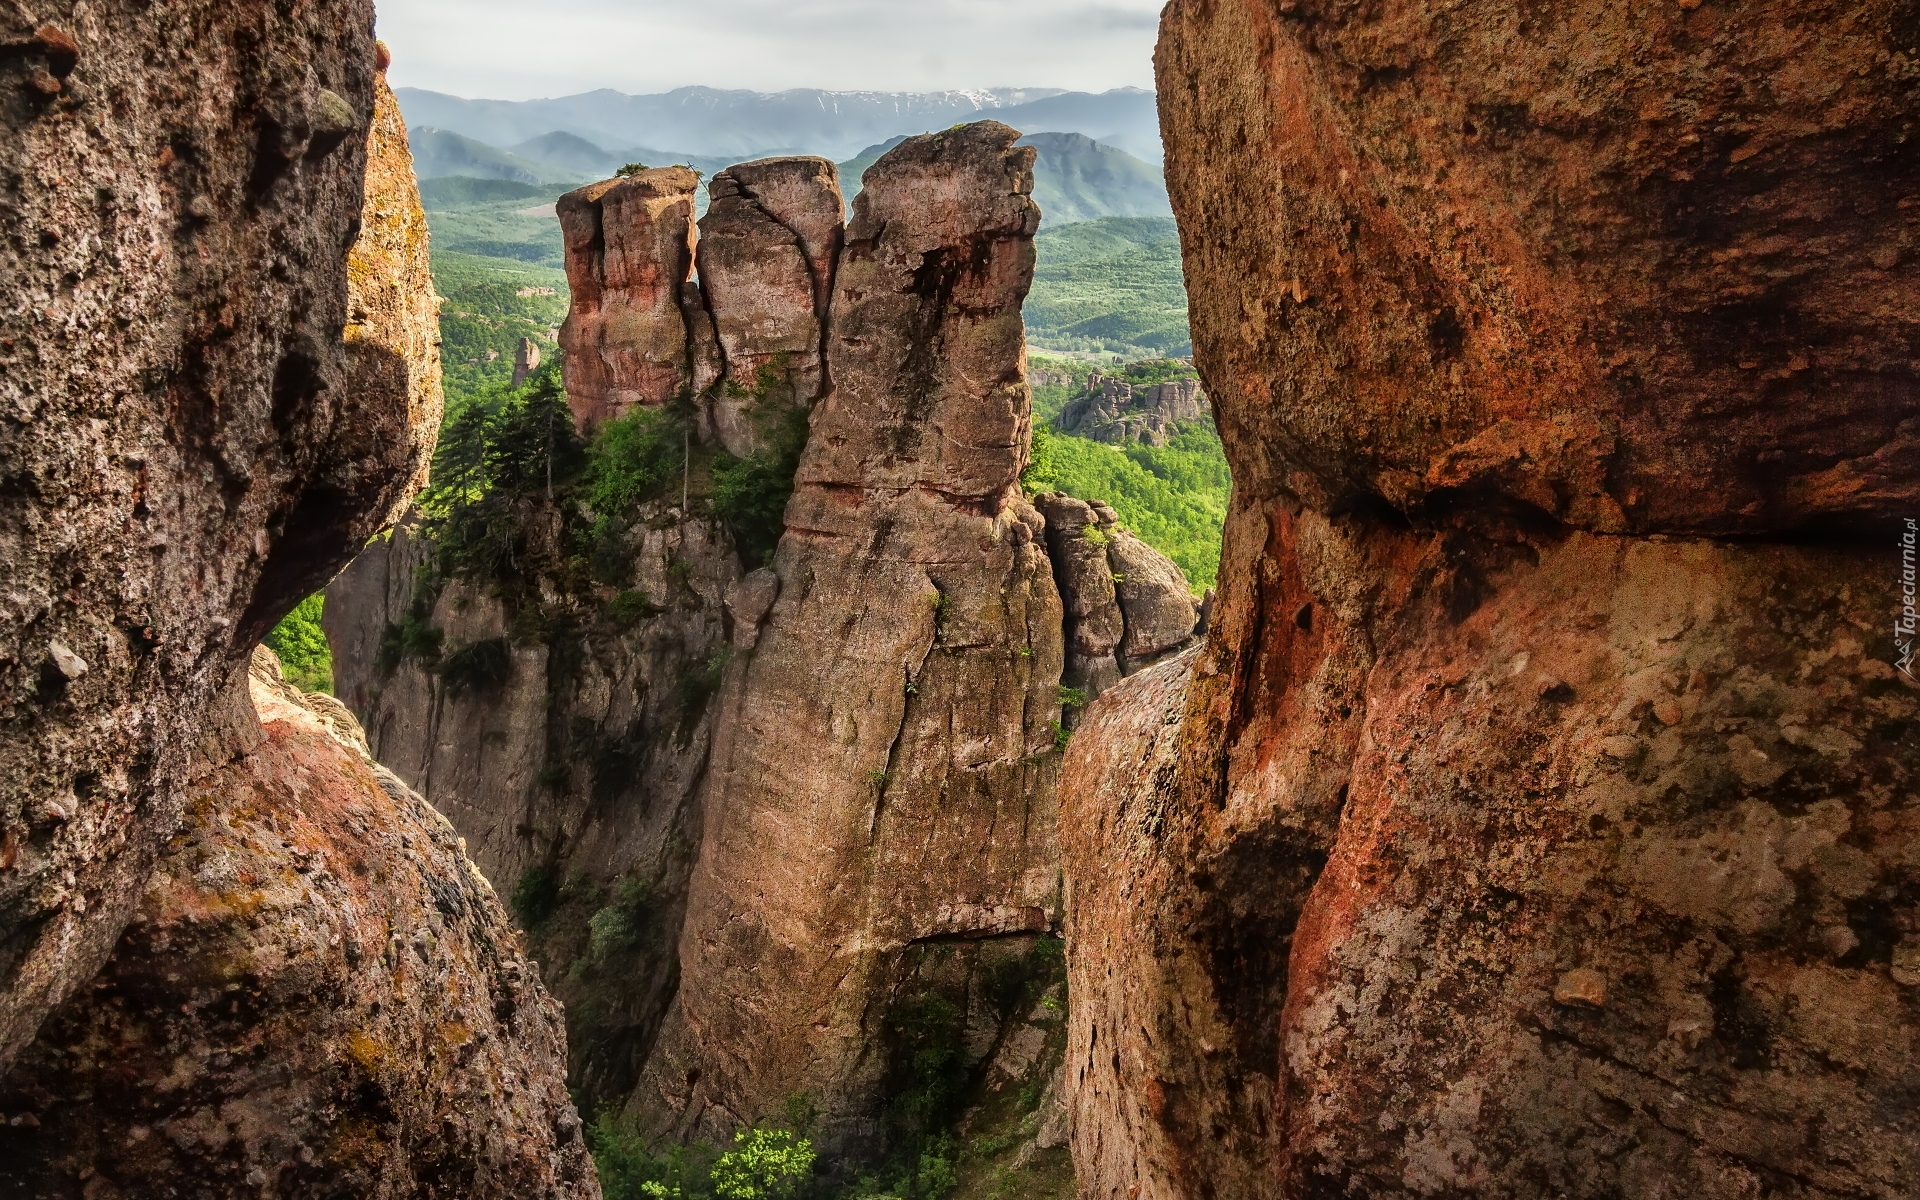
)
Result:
{"points": [[880, 780], [573, 774], [1508, 837], [1672, 297], [319, 996], [1114, 410], [1125, 602], [189, 446], [767, 249], [393, 326], [629, 251]]}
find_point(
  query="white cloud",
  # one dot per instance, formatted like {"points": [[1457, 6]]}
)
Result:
{"points": [[513, 50]]}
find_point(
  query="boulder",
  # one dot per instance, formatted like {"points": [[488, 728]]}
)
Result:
{"points": [[1670, 298], [319, 995]]}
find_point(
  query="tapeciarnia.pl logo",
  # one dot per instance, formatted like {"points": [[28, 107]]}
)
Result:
{"points": [[1909, 620]]}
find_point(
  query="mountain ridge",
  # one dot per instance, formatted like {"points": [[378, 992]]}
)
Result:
{"points": [[742, 123]]}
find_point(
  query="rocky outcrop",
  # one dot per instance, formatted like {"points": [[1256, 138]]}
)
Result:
{"points": [[1126, 603], [843, 859], [629, 245], [768, 246], [319, 995], [1512, 835], [889, 733], [189, 445], [1114, 410], [526, 360]]}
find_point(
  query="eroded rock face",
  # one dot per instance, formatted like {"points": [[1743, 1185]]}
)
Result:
{"points": [[1507, 837], [1673, 298], [573, 769], [1113, 410], [319, 995], [767, 250], [189, 445], [629, 251], [889, 732]]}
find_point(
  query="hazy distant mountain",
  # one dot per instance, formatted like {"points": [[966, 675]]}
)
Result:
{"points": [[1078, 179], [1125, 117], [565, 152], [439, 152], [738, 125]]}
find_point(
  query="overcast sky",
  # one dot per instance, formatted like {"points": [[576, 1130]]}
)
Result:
{"points": [[515, 50]]}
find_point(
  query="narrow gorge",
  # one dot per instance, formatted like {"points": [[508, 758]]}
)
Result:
{"points": [[776, 804]]}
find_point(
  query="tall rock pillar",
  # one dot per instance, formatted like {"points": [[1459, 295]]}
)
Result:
{"points": [[881, 775], [629, 252]]}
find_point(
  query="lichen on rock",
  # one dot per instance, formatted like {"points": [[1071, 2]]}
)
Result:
{"points": [[319, 995]]}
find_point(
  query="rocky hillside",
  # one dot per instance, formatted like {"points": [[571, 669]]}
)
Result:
{"points": [[1536, 818], [233, 958], [1114, 410], [769, 776]]}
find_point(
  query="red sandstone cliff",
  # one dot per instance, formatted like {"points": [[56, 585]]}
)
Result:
{"points": [[1519, 831]]}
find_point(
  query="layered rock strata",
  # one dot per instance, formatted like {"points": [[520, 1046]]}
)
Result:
{"points": [[1511, 835], [319, 996], [190, 447], [1115, 411], [889, 732]]}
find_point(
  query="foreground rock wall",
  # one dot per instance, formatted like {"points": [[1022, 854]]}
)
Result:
{"points": [[319, 996], [187, 452], [1509, 836], [318, 992]]}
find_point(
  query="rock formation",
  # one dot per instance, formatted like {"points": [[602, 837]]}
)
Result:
{"points": [[224, 380], [318, 996], [1518, 831], [1126, 603], [768, 246], [629, 251], [889, 732], [857, 826], [526, 359], [188, 449], [1114, 410]]}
